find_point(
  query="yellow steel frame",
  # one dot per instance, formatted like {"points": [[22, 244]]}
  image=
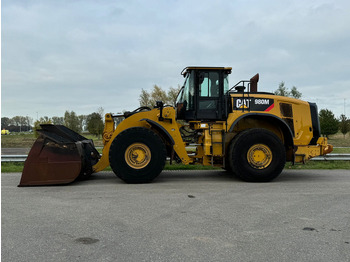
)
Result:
{"points": [[169, 124], [306, 152], [216, 137], [302, 123]]}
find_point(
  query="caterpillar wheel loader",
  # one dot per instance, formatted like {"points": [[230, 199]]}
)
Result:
{"points": [[247, 132]]}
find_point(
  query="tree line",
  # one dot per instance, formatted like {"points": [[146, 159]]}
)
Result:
{"points": [[93, 123], [329, 124], [149, 99], [282, 90], [17, 123]]}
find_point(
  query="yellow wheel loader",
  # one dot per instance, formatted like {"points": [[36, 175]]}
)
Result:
{"points": [[247, 132]]}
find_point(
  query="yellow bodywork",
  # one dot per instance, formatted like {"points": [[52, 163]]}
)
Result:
{"points": [[300, 120], [139, 119], [215, 137]]}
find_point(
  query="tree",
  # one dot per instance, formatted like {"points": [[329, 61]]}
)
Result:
{"points": [[94, 124], [172, 95], [22, 122], [71, 121], [158, 94], [100, 111], [6, 122], [82, 122], [42, 120], [58, 120], [295, 93], [145, 98], [329, 124], [344, 124], [283, 91], [17, 121]]}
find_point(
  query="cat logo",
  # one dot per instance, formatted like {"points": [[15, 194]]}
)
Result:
{"points": [[254, 104], [243, 103]]}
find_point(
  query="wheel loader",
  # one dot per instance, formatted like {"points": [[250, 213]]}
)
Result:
{"points": [[247, 132]]}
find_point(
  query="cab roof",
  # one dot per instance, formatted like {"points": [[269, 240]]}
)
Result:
{"points": [[189, 68]]}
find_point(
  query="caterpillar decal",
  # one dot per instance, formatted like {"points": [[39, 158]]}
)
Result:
{"points": [[253, 104]]}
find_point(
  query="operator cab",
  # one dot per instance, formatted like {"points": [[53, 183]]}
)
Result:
{"points": [[202, 96]]}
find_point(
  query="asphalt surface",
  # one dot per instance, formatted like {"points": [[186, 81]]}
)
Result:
{"points": [[15, 151], [304, 215]]}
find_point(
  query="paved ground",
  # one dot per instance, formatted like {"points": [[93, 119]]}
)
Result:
{"points": [[15, 151], [183, 216]]}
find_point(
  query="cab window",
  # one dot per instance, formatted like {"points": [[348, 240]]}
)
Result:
{"points": [[209, 84], [186, 96], [226, 84]]}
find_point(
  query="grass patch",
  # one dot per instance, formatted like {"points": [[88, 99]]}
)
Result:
{"points": [[11, 167], [25, 140], [331, 164], [16, 167], [339, 139], [17, 140], [97, 140], [344, 150], [308, 165], [189, 167]]}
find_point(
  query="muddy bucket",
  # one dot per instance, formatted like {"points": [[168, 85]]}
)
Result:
{"points": [[58, 156]]}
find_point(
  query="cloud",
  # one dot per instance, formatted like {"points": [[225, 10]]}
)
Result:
{"points": [[81, 55]]}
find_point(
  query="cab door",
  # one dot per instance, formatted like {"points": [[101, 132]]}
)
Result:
{"points": [[210, 97]]}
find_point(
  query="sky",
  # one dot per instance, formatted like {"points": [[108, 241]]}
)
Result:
{"points": [[82, 55]]}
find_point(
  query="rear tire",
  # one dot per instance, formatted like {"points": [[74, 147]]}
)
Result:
{"points": [[257, 155], [137, 155]]}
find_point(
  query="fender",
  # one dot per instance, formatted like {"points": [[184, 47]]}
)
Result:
{"points": [[285, 128], [161, 130]]}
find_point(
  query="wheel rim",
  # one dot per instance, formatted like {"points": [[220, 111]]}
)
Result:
{"points": [[137, 155], [259, 156]]}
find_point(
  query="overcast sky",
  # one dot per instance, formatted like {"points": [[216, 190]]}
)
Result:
{"points": [[82, 55]]}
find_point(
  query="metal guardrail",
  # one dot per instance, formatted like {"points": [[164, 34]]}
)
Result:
{"points": [[328, 157], [336, 157], [13, 158]]}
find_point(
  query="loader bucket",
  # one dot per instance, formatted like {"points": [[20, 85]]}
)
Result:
{"points": [[58, 156]]}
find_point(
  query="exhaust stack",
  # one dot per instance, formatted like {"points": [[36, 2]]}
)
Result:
{"points": [[254, 83]]}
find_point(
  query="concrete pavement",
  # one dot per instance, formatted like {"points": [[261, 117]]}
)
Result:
{"points": [[304, 215]]}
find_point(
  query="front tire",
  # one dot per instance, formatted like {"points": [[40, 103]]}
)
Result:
{"points": [[137, 155], [257, 155]]}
